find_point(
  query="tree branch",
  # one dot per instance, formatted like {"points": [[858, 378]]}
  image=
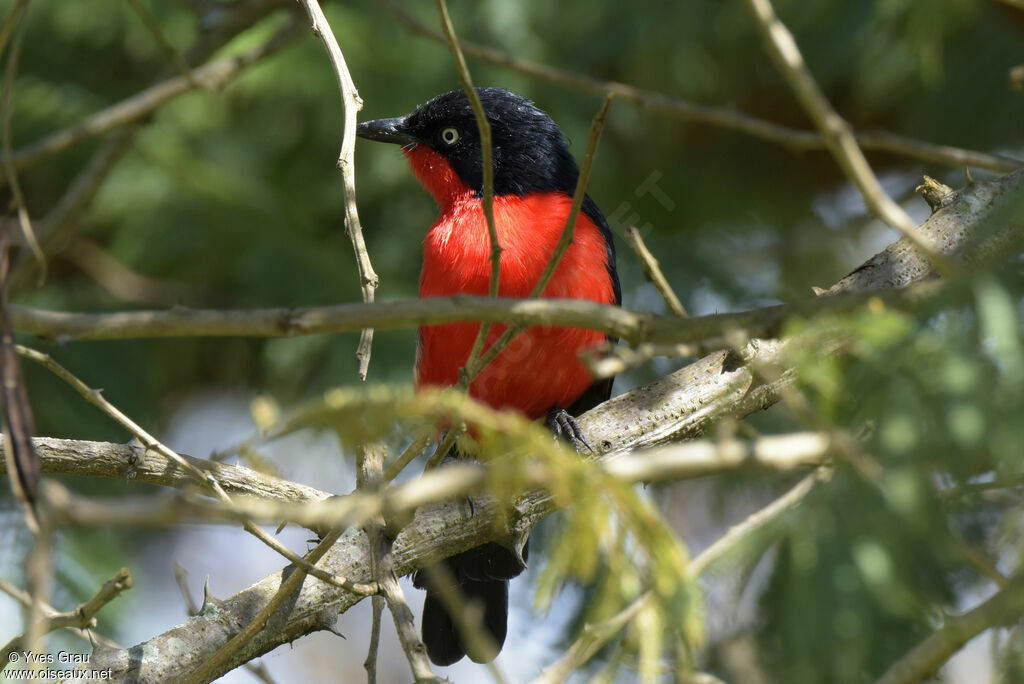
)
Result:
{"points": [[435, 530], [82, 617], [889, 272], [1005, 607], [89, 635], [135, 462], [838, 133], [720, 117], [213, 76], [358, 509], [654, 273], [633, 326]]}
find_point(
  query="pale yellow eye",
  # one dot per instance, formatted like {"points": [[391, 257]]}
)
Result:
{"points": [[450, 136]]}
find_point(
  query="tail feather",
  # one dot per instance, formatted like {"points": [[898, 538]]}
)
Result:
{"points": [[481, 576], [440, 635]]}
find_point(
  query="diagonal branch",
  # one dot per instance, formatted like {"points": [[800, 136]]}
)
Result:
{"points": [[837, 132], [213, 75], [710, 115], [435, 530], [1003, 608]]}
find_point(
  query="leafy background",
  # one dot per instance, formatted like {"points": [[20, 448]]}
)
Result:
{"points": [[231, 199]]}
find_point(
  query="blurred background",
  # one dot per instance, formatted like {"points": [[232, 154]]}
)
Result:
{"points": [[231, 199]]}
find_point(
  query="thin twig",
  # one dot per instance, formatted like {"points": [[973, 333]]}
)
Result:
{"points": [[158, 35], [1001, 609], [720, 117], [370, 468], [414, 449], [364, 469], [289, 584], [39, 581], [48, 611], [352, 103], [82, 617], [18, 422], [592, 639], [213, 75], [578, 195], [75, 201], [654, 273], [17, 21], [11, 22], [738, 537], [124, 283], [181, 578], [487, 202], [370, 664], [837, 131]]}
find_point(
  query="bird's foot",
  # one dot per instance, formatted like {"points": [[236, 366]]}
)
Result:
{"points": [[565, 426]]}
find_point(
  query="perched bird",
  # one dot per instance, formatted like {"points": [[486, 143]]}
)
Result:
{"points": [[539, 373]]}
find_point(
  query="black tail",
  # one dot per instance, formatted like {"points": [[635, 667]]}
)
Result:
{"points": [[481, 577], [481, 574]]}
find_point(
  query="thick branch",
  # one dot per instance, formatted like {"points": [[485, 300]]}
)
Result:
{"points": [[134, 462], [672, 463], [435, 530]]}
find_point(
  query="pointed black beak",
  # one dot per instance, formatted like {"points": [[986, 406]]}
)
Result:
{"points": [[385, 130]]}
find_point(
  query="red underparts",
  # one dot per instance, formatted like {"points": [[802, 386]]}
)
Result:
{"points": [[540, 369]]}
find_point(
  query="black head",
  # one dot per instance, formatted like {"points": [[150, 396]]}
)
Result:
{"points": [[529, 150]]}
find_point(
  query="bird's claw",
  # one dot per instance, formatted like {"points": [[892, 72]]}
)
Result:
{"points": [[565, 426]]}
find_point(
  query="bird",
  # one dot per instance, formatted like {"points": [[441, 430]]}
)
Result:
{"points": [[540, 373]]}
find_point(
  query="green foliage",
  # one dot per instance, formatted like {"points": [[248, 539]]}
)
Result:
{"points": [[870, 559]]}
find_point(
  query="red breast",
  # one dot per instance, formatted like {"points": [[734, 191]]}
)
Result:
{"points": [[541, 367]]}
